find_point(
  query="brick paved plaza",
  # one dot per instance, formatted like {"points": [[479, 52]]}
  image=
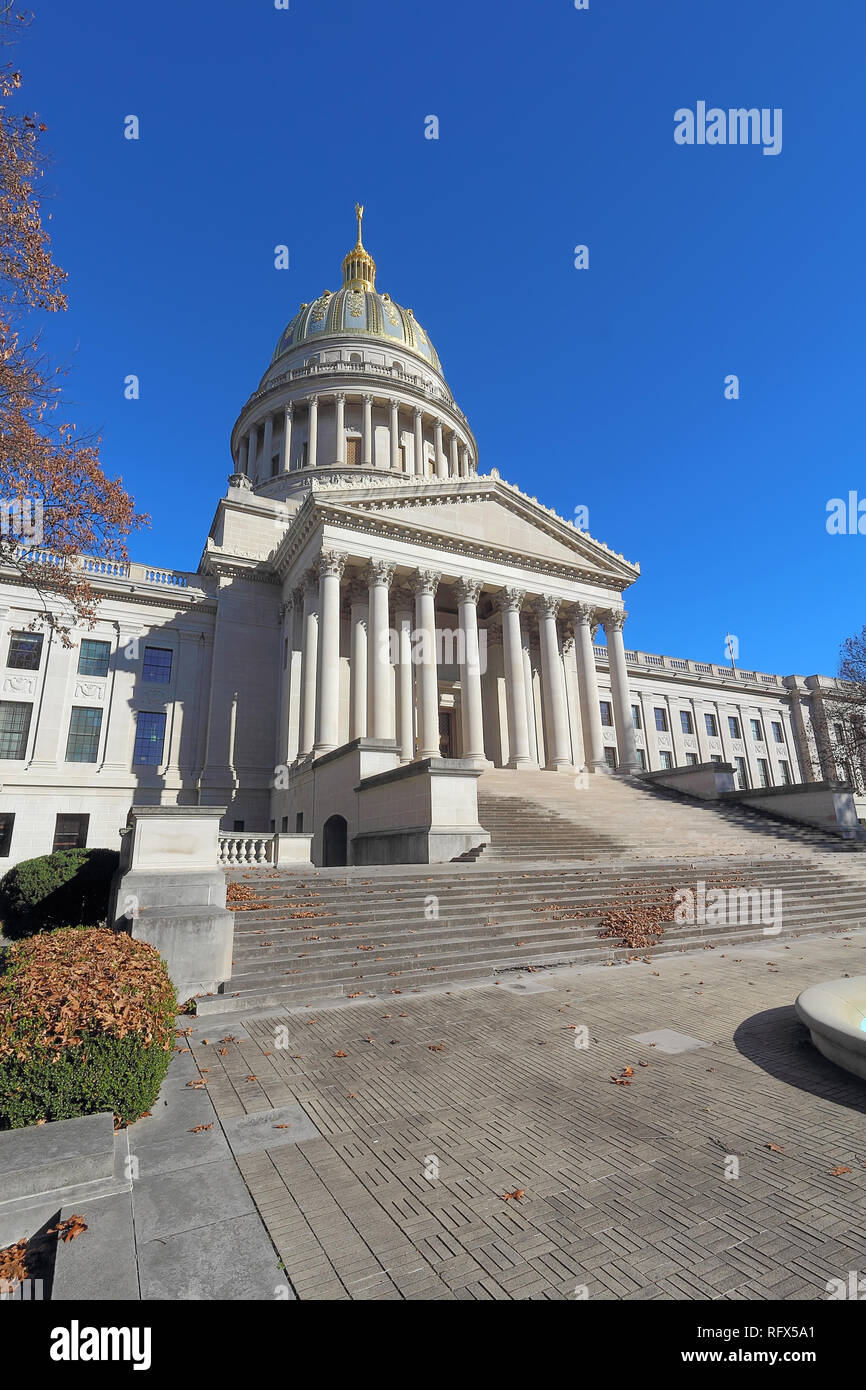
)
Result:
{"points": [[445, 1102]]}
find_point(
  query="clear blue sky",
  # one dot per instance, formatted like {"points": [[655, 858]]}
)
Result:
{"points": [[602, 387]]}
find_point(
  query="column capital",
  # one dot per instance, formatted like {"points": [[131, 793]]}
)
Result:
{"points": [[367, 398], [339, 395], [418, 412], [546, 606], [425, 581], [468, 590], [584, 614], [312, 401], [613, 619], [510, 600], [289, 408], [330, 562], [379, 572]]}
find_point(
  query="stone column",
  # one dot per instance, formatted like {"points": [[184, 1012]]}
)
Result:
{"points": [[380, 723], [464, 461], [531, 724], [553, 685], [330, 568], [241, 463], [613, 623], [572, 698], [367, 442], [425, 583], [419, 442], [358, 610], [286, 462], [509, 601], [267, 446], [340, 422], [441, 465], [454, 464], [295, 622], [593, 740], [309, 663], [123, 675], [252, 452], [471, 707], [313, 432], [395, 436], [405, 704]]}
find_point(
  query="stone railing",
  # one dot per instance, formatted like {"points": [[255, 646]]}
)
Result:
{"points": [[699, 668], [111, 569], [404, 378], [239, 848]]}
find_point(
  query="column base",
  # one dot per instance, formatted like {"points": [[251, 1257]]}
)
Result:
{"points": [[559, 765], [522, 764]]}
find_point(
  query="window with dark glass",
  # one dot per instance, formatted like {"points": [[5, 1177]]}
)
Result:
{"points": [[777, 732], [666, 759], [149, 738], [661, 718], [82, 744], [733, 726], [757, 731], [785, 773], [742, 774], [606, 718], [691, 759], [25, 651], [70, 832], [93, 657], [686, 722], [157, 665], [14, 727], [711, 726], [610, 758], [635, 716], [7, 822], [764, 772]]}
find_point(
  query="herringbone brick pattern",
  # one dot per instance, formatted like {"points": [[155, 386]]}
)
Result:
{"points": [[626, 1194]]}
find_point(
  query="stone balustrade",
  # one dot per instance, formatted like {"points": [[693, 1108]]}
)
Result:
{"points": [[238, 848]]}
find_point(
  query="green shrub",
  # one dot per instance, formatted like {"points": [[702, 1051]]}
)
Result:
{"points": [[87, 1022], [71, 885]]}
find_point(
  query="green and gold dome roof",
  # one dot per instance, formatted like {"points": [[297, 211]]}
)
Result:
{"points": [[357, 310]]}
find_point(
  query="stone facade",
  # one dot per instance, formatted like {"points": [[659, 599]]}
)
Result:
{"points": [[362, 580]]}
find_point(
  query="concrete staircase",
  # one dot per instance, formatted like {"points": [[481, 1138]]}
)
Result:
{"points": [[544, 816], [564, 866]]}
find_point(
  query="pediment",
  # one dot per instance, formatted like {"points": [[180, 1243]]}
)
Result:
{"points": [[494, 518]]}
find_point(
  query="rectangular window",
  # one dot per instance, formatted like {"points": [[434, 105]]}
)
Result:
{"points": [[733, 726], [70, 832], [149, 738], [711, 726], [284, 825], [686, 723], [661, 718], [764, 772], [157, 665], [641, 758], [299, 822], [93, 657], [715, 757], [7, 822], [25, 651], [82, 745], [635, 716], [757, 731], [667, 760], [742, 774], [610, 758], [353, 452], [837, 728], [606, 719], [777, 732], [785, 773], [691, 759], [14, 728]]}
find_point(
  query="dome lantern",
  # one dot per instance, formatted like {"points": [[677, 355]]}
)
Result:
{"points": [[359, 268]]}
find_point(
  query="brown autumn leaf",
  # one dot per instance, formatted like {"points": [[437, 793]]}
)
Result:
{"points": [[514, 1196], [837, 1172], [774, 1148], [200, 1129], [436, 1047], [341, 1054], [70, 1228], [251, 1078], [195, 1084]]}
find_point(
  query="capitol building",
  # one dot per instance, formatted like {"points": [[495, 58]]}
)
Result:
{"points": [[378, 619]]}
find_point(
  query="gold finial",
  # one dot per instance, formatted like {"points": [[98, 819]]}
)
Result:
{"points": [[359, 268]]}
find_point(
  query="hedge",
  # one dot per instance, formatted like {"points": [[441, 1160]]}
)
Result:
{"points": [[56, 890], [87, 1022]]}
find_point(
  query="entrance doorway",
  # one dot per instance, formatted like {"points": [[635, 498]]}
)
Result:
{"points": [[334, 842], [447, 747]]}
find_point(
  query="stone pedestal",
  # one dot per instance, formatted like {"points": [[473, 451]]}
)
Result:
{"points": [[169, 891]]}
